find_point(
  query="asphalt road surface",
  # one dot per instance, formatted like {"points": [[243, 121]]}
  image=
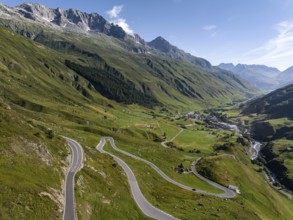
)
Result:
{"points": [[228, 192], [147, 208], [76, 163], [144, 205]]}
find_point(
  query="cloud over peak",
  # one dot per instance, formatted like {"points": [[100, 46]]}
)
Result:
{"points": [[114, 14], [122, 23], [115, 11]]}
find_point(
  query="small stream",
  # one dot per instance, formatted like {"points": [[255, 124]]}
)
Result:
{"points": [[256, 147]]}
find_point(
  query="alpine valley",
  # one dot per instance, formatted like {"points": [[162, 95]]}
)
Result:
{"points": [[143, 130]]}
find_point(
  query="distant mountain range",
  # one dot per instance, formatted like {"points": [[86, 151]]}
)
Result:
{"points": [[261, 76]]}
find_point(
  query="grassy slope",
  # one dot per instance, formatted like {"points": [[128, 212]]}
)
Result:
{"points": [[256, 193], [181, 203], [48, 102], [30, 164], [280, 148], [256, 196], [135, 67], [221, 165], [276, 104], [45, 101], [26, 152]]}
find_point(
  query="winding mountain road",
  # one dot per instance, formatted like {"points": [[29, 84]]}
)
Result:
{"points": [[228, 192], [147, 208], [76, 164], [135, 188]]}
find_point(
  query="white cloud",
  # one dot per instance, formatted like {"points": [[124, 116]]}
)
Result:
{"points": [[278, 51], [115, 11], [209, 27], [122, 23]]}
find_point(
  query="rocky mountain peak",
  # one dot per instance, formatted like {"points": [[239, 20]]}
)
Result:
{"points": [[77, 21], [226, 66], [161, 44], [34, 7], [35, 11], [164, 46], [71, 19]]}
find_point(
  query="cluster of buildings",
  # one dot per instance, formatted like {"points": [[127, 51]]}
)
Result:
{"points": [[211, 121]]}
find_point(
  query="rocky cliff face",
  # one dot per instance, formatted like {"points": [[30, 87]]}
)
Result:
{"points": [[71, 19]]}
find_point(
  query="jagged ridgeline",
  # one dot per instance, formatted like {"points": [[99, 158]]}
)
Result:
{"points": [[261, 76], [124, 67]]}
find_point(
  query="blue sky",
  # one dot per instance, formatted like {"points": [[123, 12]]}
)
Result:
{"points": [[238, 31]]}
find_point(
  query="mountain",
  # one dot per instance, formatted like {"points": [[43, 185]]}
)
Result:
{"points": [[44, 95], [84, 84], [261, 76], [276, 104], [286, 77], [165, 47], [159, 71], [40, 100], [74, 20], [227, 66]]}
